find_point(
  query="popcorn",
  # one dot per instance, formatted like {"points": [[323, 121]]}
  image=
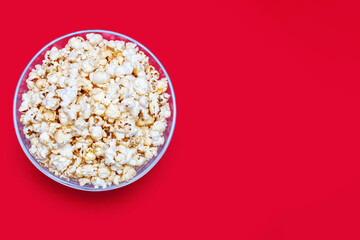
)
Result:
{"points": [[99, 77], [67, 95], [141, 86], [62, 137], [50, 102], [112, 112], [131, 105], [95, 111], [75, 43], [65, 150], [159, 126], [97, 132], [88, 65], [110, 153], [83, 181], [124, 69], [99, 109], [44, 138], [42, 153], [88, 170], [60, 163], [128, 173], [54, 54], [94, 38], [90, 156], [26, 102], [157, 138], [98, 182], [104, 171]]}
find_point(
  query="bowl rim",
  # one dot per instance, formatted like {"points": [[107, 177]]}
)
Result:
{"points": [[63, 181]]}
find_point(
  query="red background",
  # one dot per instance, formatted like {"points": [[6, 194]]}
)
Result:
{"points": [[267, 139]]}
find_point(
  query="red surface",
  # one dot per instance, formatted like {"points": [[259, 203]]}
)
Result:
{"points": [[267, 138]]}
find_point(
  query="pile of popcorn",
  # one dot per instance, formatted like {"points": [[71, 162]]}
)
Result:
{"points": [[95, 111]]}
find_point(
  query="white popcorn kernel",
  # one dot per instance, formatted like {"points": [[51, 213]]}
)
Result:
{"points": [[86, 45], [112, 112], [110, 153], [102, 62], [100, 148], [62, 137], [98, 182], [151, 152], [99, 77], [90, 156], [66, 150], [48, 116], [97, 94], [36, 99], [164, 98], [99, 109], [88, 65], [39, 70], [59, 162], [36, 127], [86, 109], [165, 111], [75, 43], [162, 85], [26, 99], [116, 180], [29, 116], [119, 45], [111, 70], [128, 173], [61, 81], [141, 86], [126, 155], [117, 166], [148, 154], [106, 101], [50, 102], [33, 150], [43, 153], [132, 132], [53, 127], [157, 138], [111, 44], [124, 69], [143, 102], [154, 107], [131, 105], [44, 127], [53, 78], [72, 111], [84, 181], [96, 132], [112, 91], [81, 124], [73, 71], [93, 38], [54, 54], [104, 171], [63, 118], [68, 95], [159, 126], [89, 170], [44, 138]]}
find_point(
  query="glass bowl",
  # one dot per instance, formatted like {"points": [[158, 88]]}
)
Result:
{"points": [[60, 43]]}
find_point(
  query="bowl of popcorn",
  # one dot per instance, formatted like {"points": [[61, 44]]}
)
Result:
{"points": [[94, 110]]}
